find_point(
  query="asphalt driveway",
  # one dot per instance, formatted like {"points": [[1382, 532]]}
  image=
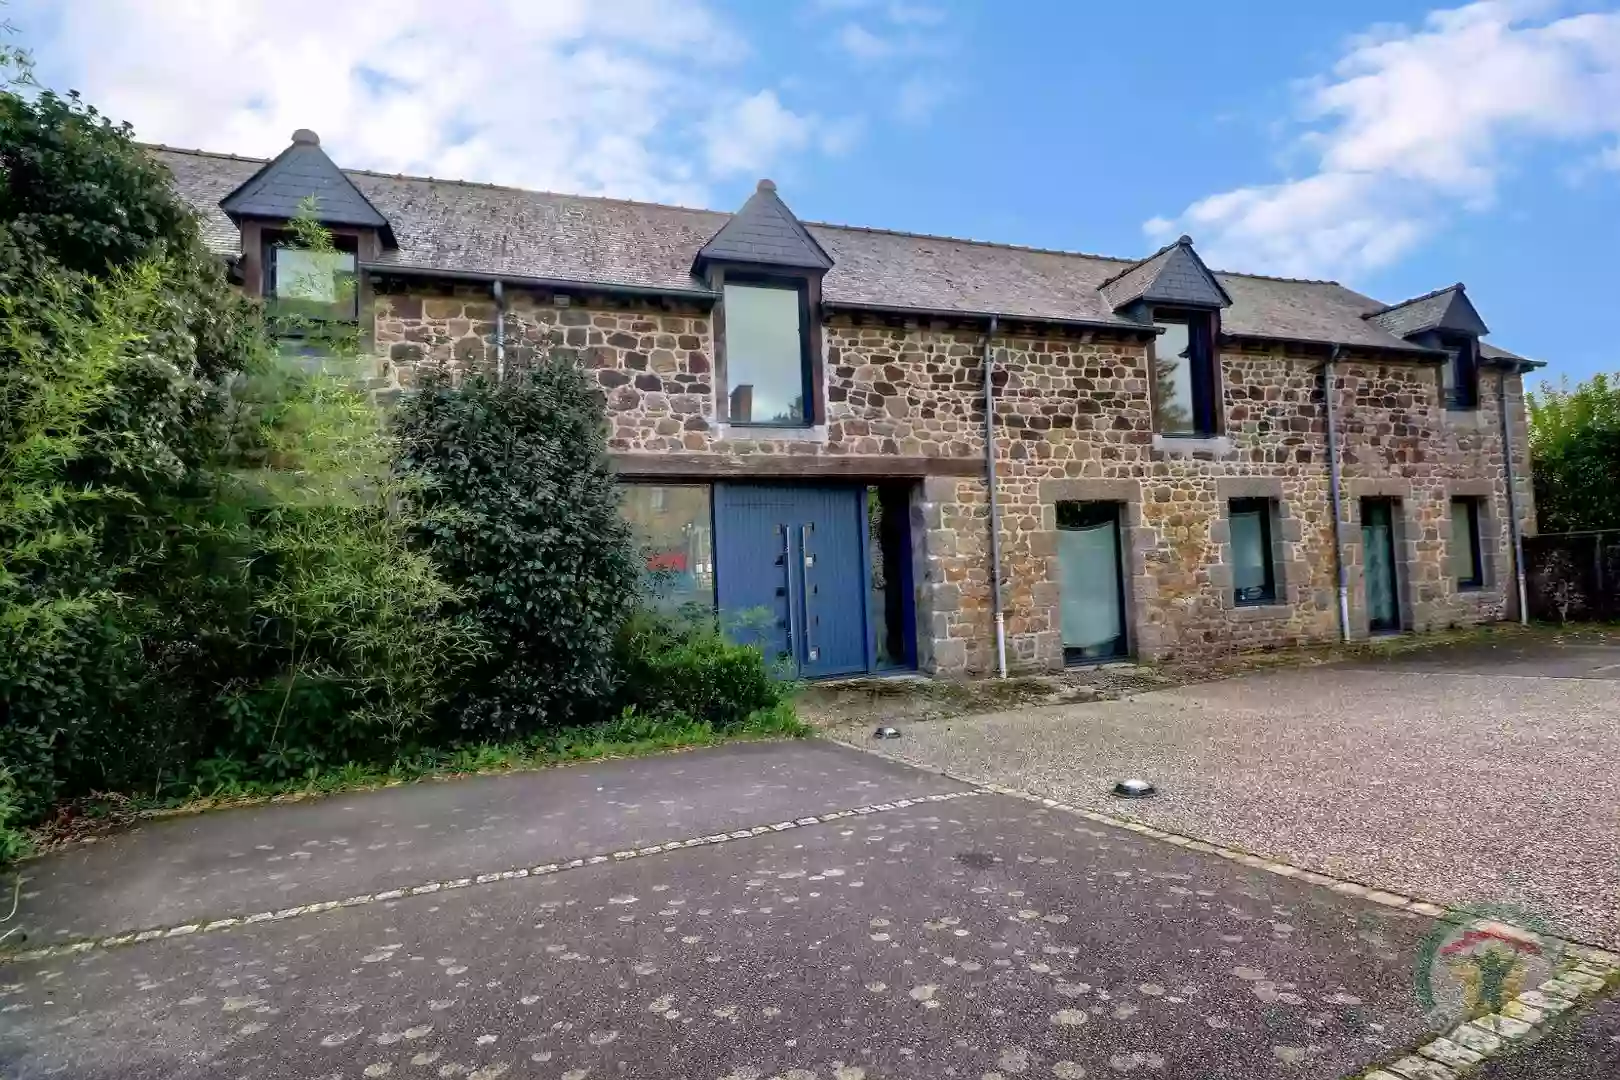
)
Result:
{"points": [[921, 929], [1483, 775]]}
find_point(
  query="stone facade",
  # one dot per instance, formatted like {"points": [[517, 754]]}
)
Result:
{"points": [[1074, 422]]}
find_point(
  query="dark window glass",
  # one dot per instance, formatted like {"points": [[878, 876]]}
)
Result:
{"points": [[1459, 379], [1467, 565], [1254, 579], [1184, 376], [311, 286], [673, 524], [766, 359]]}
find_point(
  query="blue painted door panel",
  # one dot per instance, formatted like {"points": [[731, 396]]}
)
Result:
{"points": [[753, 568], [790, 564], [832, 595]]}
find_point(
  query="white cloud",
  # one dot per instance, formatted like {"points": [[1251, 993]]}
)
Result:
{"points": [[862, 44], [752, 132], [568, 95], [905, 14], [919, 96], [1412, 125]]}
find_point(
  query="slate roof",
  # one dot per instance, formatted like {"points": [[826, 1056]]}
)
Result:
{"points": [[298, 172], [456, 227], [1444, 309], [1172, 275], [765, 231]]}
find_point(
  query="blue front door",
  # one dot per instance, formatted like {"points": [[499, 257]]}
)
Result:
{"points": [[790, 570]]}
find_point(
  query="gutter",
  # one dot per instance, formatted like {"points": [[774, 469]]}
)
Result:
{"points": [[699, 295], [1512, 492], [1334, 491], [995, 517]]}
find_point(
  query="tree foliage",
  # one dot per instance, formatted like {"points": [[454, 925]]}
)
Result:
{"points": [[524, 512], [1575, 449], [207, 555]]}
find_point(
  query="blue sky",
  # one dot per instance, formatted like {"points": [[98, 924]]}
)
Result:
{"points": [[1394, 146]]}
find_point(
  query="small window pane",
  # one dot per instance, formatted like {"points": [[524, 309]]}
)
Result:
{"points": [[672, 523], [764, 355], [1173, 380], [1465, 554], [313, 284], [1250, 529]]}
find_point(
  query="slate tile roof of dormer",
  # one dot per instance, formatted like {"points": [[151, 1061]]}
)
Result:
{"points": [[765, 232], [1173, 275], [454, 226], [278, 189], [1444, 309]]}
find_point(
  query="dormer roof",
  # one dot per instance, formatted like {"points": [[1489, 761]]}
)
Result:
{"points": [[299, 172], [765, 231]]}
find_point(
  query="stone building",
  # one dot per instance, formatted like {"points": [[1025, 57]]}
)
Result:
{"points": [[798, 412]]}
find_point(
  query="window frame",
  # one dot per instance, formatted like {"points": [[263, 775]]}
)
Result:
{"points": [[809, 371], [1203, 366], [1266, 507], [276, 240], [1475, 581], [1462, 360]]}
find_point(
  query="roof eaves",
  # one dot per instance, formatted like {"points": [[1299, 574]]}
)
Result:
{"points": [[1008, 316], [562, 284], [1416, 352]]}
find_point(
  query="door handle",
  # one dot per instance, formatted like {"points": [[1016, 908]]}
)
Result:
{"points": [[785, 561]]}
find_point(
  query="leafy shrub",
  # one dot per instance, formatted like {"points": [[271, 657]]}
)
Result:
{"points": [[682, 664], [522, 513], [1575, 446]]}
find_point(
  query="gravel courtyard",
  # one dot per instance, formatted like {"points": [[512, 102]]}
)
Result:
{"points": [[1482, 775]]}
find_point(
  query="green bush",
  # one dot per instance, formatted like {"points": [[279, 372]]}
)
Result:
{"points": [[1575, 449], [523, 514], [681, 664]]}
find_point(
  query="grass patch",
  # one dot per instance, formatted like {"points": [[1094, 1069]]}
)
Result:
{"points": [[628, 735]]}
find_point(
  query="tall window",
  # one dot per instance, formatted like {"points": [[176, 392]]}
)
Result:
{"points": [[306, 288], [767, 354], [1184, 383], [1459, 377], [1467, 561], [1254, 577]]}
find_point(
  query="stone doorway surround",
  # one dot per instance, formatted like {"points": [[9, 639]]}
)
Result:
{"points": [[1141, 639], [1406, 560]]}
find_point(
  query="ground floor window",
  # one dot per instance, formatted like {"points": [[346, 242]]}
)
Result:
{"points": [[1091, 588], [674, 525], [1467, 563], [1254, 573]]}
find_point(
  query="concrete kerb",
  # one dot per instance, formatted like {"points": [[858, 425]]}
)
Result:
{"points": [[1586, 973], [210, 926]]}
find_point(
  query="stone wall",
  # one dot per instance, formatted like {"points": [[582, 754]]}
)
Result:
{"points": [[1074, 422]]}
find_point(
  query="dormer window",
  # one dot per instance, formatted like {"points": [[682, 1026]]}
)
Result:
{"points": [[767, 348], [1459, 376], [308, 289], [767, 269], [1185, 387]]}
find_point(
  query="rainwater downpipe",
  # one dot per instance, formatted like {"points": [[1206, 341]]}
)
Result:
{"points": [[995, 515], [1512, 494], [1329, 396], [500, 329]]}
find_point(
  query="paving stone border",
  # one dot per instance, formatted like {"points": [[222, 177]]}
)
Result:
{"points": [[70, 948]]}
